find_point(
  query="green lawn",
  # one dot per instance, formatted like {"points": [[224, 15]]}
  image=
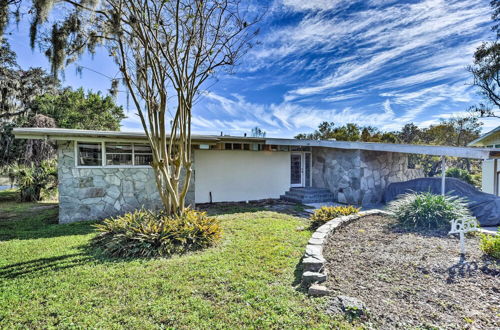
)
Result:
{"points": [[49, 278]]}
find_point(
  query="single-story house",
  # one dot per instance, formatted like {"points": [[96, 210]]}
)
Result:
{"points": [[105, 173], [491, 167]]}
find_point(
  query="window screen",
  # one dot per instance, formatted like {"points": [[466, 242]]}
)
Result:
{"points": [[89, 154]]}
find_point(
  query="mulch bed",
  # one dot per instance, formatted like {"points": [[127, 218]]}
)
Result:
{"points": [[413, 279]]}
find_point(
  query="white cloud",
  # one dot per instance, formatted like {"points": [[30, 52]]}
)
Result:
{"points": [[301, 5], [361, 45], [286, 119]]}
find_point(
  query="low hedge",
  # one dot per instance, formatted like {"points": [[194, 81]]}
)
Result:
{"points": [[327, 213]]}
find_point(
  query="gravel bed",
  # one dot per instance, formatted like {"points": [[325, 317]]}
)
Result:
{"points": [[413, 279]]}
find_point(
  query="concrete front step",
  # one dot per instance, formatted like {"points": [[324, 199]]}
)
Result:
{"points": [[319, 196], [308, 195]]}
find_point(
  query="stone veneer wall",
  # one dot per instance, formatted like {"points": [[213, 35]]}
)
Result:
{"points": [[378, 169], [97, 193], [357, 176], [339, 171]]}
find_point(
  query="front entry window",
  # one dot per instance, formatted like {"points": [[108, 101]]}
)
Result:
{"points": [[296, 170], [300, 169], [307, 160]]}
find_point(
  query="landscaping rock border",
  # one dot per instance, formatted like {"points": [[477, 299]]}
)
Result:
{"points": [[313, 260]]}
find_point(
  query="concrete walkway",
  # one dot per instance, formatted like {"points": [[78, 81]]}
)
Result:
{"points": [[489, 230]]}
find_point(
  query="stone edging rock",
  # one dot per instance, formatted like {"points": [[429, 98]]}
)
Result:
{"points": [[313, 261]]}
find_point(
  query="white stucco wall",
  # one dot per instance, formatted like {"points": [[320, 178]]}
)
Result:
{"points": [[488, 180], [240, 175]]}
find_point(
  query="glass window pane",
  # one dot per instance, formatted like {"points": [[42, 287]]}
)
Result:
{"points": [[142, 148], [143, 159], [236, 146], [308, 169], [118, 159], [115, 148], [89, 154], [118, 154], [296, 169], [228, 146]]}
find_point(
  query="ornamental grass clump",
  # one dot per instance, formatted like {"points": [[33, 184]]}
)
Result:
{"points": [[428, 211], [150, 234], [327, 213]]}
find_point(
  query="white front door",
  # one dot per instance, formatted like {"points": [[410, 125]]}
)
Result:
{"points": [[300, 169]]}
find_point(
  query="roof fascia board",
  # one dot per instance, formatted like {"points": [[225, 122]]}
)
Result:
{"points": [[91, 136], [463, 152]]}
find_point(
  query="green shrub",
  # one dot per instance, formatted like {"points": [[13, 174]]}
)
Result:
{"points": [[454, 172], [490, 244], [428, 211], [36, 182], [327, 213], [148, 234]]}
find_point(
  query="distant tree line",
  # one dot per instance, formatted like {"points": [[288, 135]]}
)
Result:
{"points": [[457, 132]]}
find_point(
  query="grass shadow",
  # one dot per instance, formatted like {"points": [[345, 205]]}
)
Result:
{"points": [[20, 220], [41, 224], [43, 265], [8, 195], [38, 267], [273, 205], [297, 283]]}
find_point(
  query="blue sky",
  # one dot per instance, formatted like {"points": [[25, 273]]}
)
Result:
{"points": [[371, 62]]}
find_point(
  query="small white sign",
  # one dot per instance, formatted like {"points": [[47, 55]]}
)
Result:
{"points": [[462, 226]]}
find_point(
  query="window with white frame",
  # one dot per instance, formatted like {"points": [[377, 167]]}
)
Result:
{"points": [[115, 154], [89, 154], [118, 153]]}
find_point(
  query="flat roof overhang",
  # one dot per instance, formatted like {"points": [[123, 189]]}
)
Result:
{"points": [[63, 134], [462, 152]]}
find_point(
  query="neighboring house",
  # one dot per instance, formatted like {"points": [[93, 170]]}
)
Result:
{"points": [[104, 173], [491, 167]]}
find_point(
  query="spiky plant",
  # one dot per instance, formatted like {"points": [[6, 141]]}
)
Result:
{"points": [[427, 210]]}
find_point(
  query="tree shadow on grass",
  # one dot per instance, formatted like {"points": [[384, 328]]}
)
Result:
{"points": [[38, 267], [43, 265], [40, 221]]}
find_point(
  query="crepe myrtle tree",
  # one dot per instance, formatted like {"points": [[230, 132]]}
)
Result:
{"points": [[165, 50]]}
